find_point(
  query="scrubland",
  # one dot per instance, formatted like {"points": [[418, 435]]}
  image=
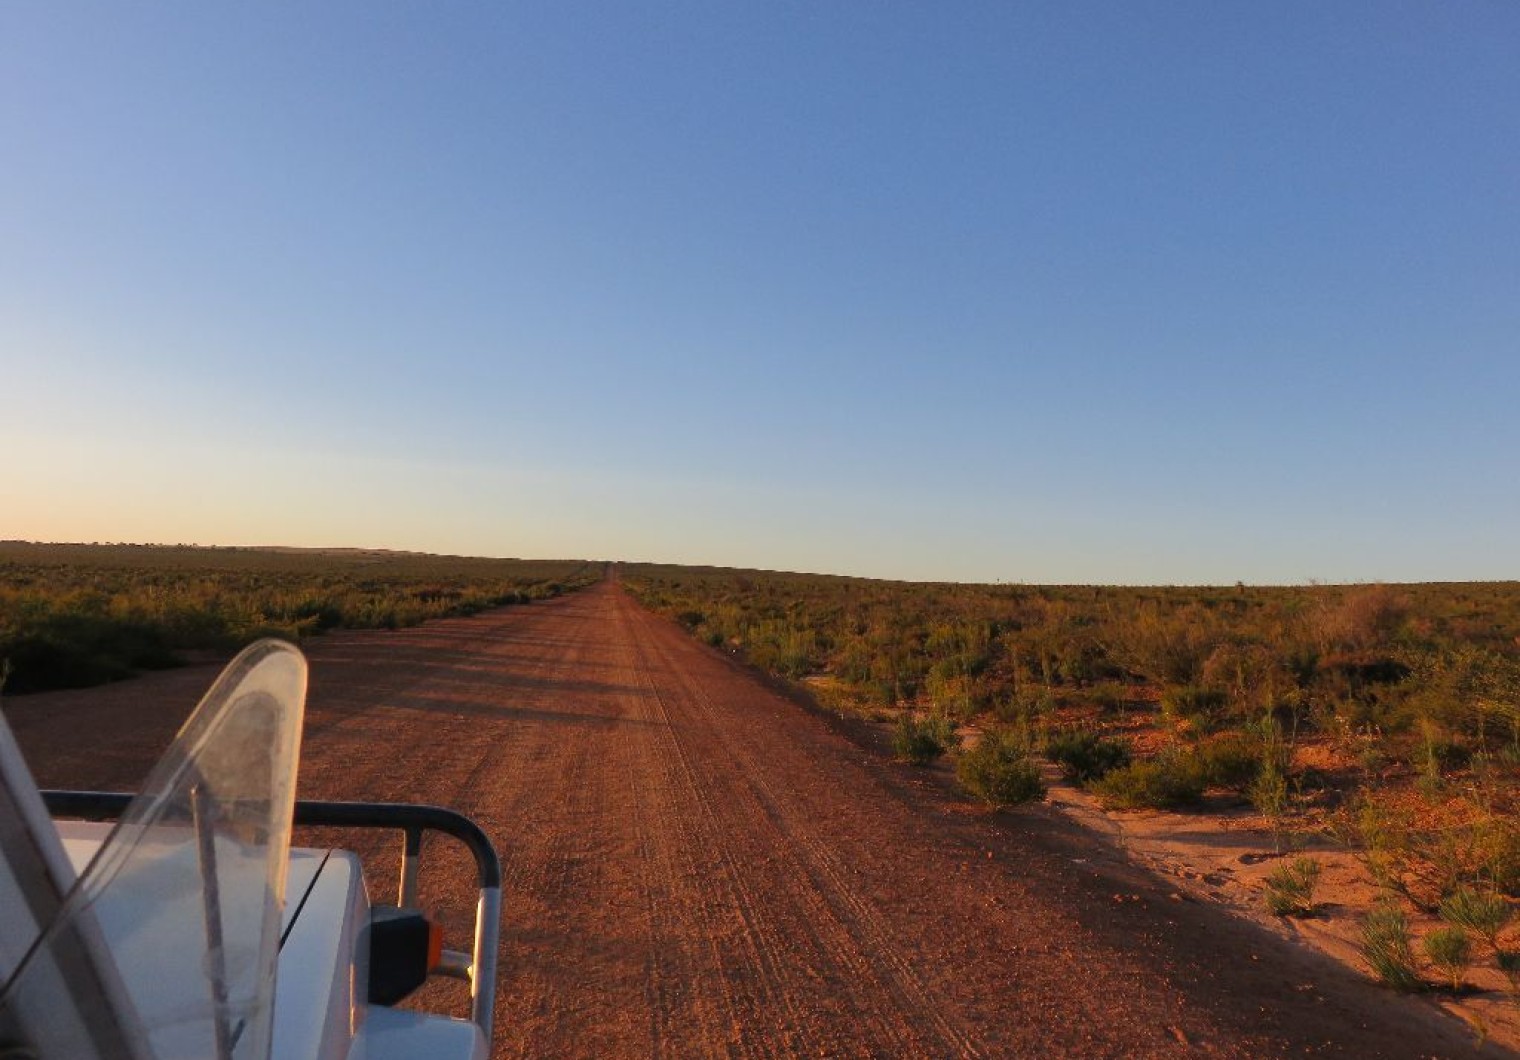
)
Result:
{"points": [[78, 615]]}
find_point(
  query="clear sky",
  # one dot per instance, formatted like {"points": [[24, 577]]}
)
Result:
{"points": [[1055, 291]]}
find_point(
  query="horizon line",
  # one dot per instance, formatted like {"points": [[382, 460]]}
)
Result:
{"points": [[1307, 583]]}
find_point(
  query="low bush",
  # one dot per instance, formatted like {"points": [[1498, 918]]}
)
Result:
{"points": [[80, 650], [1509, 964], [1162, 783], [1024, 706], [1231, 762], [1086, 756], [1110, 696], [1386, 946], [1199, 706], [1457, 842], [921, 741], [1450, 950], [1290, 888], [1269, 791], [999, 771], [1483, 913]]}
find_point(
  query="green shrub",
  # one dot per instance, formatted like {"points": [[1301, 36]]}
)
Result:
{"points": [[1024, 706], [922, 741], [999, 772], [1163, 783], [1200, 706], [1085, 756], [1509, 964], [1483, 913], [1269, 791], [319, 615], [1450, 950], [1386, 946], [66, 650], [1231, 762], [1426, 863], [1290, 888], [1110, 696]]}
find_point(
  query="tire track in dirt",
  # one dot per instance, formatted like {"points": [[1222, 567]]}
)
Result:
{"points": [[692, 810], [857, 938], [785, 914], [672, 957], [679, 959]]}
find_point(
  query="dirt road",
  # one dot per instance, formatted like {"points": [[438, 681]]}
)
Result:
{"points": [[696, 866]]}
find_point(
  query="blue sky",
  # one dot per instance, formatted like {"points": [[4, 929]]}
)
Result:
{"points": [[1151, 292]]}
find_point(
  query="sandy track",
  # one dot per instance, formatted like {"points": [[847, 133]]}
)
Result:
{"points": [[696, 866]]}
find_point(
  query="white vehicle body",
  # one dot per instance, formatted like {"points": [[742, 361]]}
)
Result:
{"points": [[179, 923]]}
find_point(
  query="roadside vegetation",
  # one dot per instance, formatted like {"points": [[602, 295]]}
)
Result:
{"points": [[78, 615], [1384, 719]]}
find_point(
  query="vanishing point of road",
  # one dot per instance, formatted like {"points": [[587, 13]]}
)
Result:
{"points": [[696, 865]]}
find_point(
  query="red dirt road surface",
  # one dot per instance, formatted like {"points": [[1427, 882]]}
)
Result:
{"points": [[696, 865]]}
